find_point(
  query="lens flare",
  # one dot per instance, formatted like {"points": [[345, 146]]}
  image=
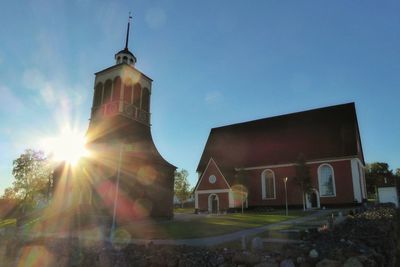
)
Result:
{"points": [[35, 256], [69, 146]]}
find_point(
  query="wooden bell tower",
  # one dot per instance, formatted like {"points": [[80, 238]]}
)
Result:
{"points": [[120, 135]]}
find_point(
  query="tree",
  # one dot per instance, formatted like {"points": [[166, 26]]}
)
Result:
{"points": [[303, 177], [181, 186], [240, 179], [377, 173], [9, 194], [33, 178]]}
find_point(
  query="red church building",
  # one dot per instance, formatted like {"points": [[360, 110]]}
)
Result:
{"points": [[266, 152]]}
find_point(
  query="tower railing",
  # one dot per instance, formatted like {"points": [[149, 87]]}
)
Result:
{"points": [[123, 108]]}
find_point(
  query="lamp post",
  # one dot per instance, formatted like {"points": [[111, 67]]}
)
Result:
{"points": [[116, 192], [285, 181], [241, 187]]}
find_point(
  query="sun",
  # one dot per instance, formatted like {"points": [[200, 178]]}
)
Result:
{"points": [[69, 146]]}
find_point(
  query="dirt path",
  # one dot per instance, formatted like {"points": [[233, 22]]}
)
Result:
{"points": [[216, 240], [206, 241]]}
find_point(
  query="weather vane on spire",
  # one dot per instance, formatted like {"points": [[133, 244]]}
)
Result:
{"points": [[127, 31], [126, 56]]}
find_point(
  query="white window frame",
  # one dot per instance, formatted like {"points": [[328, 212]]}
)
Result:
{"points": [[333, 180], [263, 184]]}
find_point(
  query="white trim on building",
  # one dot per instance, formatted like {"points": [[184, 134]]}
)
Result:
{"points": [[294, 164], [356, 179], [333, 180], [205, 170]]}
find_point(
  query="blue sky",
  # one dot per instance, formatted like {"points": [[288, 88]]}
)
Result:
{"points": [[213, 63]]}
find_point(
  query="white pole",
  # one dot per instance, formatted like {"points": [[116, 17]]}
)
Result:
{"points": [[116, 193], [242, 197], [287, 211]]}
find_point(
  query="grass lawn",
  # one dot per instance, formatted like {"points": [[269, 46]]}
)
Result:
{"points": [[186, 224], [184, 210], [7, 222], [206, 225], [279, 231]]}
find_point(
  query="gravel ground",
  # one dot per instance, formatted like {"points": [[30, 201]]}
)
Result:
{"points": [[368, 237]]}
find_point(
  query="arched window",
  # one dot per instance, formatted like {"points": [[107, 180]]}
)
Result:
{"points": [[268, 184], [107, 91], [137, 94], [146, 99], [116, 89], [128, 91], [98, 94], [326, 181], [125, 59]]}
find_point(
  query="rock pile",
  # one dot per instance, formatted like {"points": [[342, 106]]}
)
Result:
{"points": [[366, 238], [71, 252]]}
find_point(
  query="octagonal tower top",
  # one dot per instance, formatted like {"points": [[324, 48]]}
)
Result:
{"points": [[126, 56]]}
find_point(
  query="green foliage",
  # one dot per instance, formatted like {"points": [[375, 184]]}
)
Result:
{"points": [[375, 174], [303, 176], [8, 222], [184, 210], [181, 185], [379, 169], [33, 177], [9, 194], [240, 177], [239, 187]]}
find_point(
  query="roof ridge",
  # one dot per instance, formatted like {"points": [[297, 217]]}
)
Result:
{"points": [[284, 115]]}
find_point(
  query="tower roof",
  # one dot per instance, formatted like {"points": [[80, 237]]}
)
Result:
{"points": [[126, 56], [126, 51]]}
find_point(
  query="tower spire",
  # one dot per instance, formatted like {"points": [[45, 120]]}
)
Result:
{"points": [[127, 31], [126, 56]]}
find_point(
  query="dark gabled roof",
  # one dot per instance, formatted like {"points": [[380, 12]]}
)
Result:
{"points": [[322, 133]]}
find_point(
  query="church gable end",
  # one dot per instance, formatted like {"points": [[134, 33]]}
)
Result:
{"points": [[212, 178]]}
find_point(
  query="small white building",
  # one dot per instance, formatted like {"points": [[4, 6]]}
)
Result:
{"points": [[388, 195]]}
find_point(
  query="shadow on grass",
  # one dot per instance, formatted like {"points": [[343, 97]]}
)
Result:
{"points": [[203, 226]]}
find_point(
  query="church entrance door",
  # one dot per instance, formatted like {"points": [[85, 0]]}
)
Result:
{"points": [[312, 199], [314, 203], [213, 204]]}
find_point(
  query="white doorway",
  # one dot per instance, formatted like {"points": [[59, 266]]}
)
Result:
{"points": [[213, 204], [312, 199]]}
